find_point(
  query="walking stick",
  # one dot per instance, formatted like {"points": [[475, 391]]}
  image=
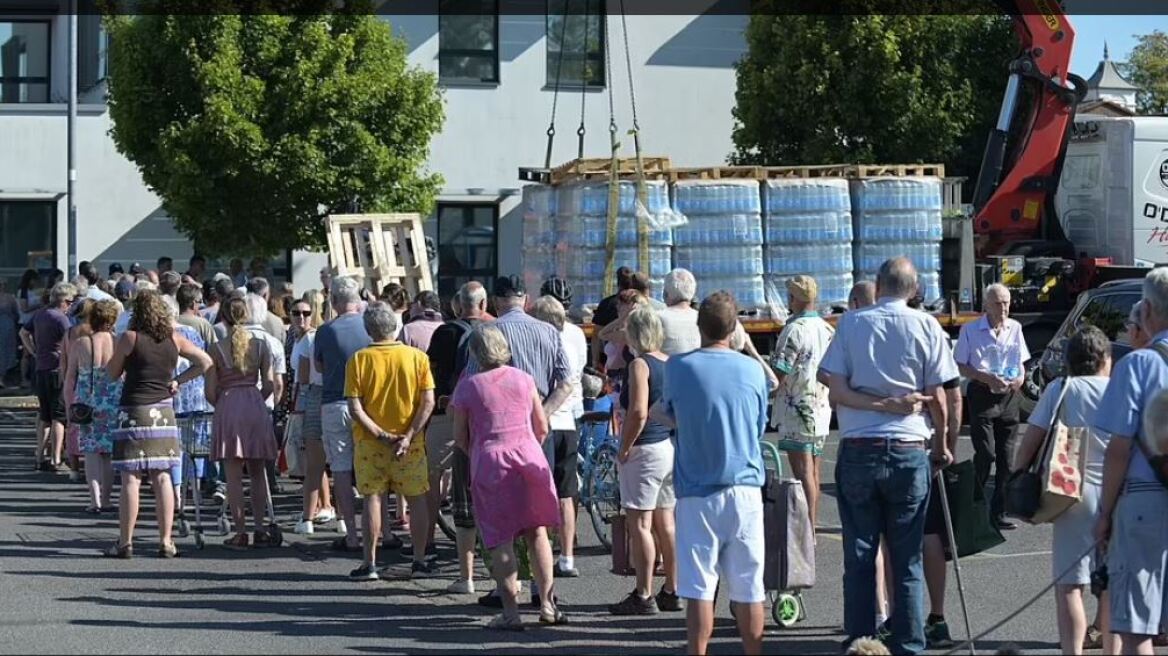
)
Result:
{"points": [[956, 560]]}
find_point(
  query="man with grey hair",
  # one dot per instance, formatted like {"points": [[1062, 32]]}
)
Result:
{"points": [[390, 393], [862, 295], [888, 350], [271, 323], [448, 357], [679, 319], [44, 336], [1134, 503], [335, 343], [991, 353], [168, 282]]}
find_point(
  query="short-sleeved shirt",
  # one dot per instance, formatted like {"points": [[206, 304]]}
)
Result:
{"points": [[336, 342], [1078, 409], [1135, 380], [718, 399], [302, 350], [536, 349], [389, 379], [1001, 355], [276, 349], [888, 350], [420, 331], [680, 326], [576, 348], [801, 407], [445, 362], [49, 327], [201, 326]]}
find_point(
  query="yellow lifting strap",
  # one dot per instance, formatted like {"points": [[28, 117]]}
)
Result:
{"points": [[613, 211], [642, 202]]}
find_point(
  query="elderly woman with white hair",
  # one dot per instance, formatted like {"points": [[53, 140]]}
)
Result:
{"points": [[500, 423], [645, 470], [679, 319]]}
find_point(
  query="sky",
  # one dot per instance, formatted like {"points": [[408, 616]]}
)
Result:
{"points": [[1091, 31]]}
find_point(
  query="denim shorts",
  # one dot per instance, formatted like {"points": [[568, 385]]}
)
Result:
{"points": [[1136, 559]]}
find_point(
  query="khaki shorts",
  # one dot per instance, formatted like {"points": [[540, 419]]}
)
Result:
{"points": [[440, 443], [646, 478]]}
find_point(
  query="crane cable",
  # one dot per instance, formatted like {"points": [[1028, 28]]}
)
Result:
{"points": [[580, 131], [551, 131], [642, 188], [613, 179]]}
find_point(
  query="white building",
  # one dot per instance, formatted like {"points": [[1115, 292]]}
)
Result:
{"points": [[1107, 86], [498, 75]]}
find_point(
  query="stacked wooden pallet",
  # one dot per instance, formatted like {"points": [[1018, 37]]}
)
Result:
{"points": [[378, 249], [660, 168]]}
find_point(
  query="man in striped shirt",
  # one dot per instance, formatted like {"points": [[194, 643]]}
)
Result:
{"points": [[536, 348]]}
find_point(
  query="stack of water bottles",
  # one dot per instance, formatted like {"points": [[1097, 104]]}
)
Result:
{"points": [[809, 232], [895, 217], [540, 258], [582, 232], [721, 242]]}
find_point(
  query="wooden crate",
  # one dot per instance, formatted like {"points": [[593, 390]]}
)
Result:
{"points": [[378, 249], [717, 173], [821, 171], [899, 170]]}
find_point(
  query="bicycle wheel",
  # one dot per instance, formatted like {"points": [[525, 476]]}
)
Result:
{"points": [[446, 525], [605, 493]]}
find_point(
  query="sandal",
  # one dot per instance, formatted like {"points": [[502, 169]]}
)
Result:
{"points": [[237, 542], [555, 618], [122, 551], [168, 551], [342, 544], [503, 623], [92, 510], [262, 540]]}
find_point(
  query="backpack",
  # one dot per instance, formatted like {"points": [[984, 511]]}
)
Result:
{"points": [[462, 352]]}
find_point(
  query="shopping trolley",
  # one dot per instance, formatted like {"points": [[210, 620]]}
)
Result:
{"points": [[195, 431]]}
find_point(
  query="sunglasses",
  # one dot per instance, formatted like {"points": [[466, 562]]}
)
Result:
{"points": [[301, 313]]}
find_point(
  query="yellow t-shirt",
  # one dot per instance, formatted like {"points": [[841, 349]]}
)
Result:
{"points": [[389, 379]]}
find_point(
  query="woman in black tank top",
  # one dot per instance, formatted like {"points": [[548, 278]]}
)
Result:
{"points": [[146, 440]]}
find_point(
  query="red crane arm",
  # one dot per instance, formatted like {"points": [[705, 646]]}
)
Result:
{"points": [[1019, 205]]}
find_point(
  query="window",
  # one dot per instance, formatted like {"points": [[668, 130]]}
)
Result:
{"points": [[92, 51], [24, 61], [28, 238], [1108, 312], [575, 42], [468, 41], [467, 245]]}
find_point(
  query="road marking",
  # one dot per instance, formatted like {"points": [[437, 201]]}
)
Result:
{"points": [[1023, 554]]}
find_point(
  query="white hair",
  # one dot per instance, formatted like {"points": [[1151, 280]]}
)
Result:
{"points": [[1156, 291], [345, 290], [549, 310], [62, 292], [680, 286], [257, 308], [470, 296], [381, 322], [644, 330], [488, 346], [998, 291]]}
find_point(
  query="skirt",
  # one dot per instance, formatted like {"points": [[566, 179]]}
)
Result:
{"points": [[308, 402], [146, 438], [242, 427]]}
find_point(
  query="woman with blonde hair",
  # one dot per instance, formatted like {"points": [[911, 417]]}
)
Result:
{"points": [[242, 431], [306, 318], [87, 382], [146, 440]]}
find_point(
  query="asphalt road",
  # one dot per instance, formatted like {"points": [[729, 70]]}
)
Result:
{"points": [[57, 595]]}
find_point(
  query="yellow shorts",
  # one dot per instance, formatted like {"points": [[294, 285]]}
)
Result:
{"points": [[379, 471]]}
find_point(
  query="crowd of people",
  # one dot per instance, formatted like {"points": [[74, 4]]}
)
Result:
{"points": [[478, 406]]}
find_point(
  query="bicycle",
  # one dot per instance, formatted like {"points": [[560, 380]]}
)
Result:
{"points": [[599, 490]]}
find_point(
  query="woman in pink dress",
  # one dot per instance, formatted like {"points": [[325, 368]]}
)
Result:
{"points": [[499, 422]]}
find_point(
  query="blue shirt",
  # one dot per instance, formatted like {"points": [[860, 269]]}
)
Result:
{"points": [[888, 350], [336, 342], [536, 349], [1136, 378], [719, 400]]}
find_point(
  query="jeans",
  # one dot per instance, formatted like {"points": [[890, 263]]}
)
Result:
{"points": [[992, 420], [884, 489]]}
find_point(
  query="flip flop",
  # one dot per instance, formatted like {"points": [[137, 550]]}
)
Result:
{"points": [[503, 623]]}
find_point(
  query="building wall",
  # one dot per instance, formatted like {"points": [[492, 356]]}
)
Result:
{"points": [[684, 84]]}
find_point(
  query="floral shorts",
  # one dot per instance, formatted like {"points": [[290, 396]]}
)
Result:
{"points": [[379, 471], [802, 444]]}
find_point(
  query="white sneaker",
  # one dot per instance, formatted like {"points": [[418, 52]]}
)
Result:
{"points": [[461, 587], [325, 516], [304, 528], [341, 528]]}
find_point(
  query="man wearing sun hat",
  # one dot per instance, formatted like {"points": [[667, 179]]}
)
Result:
{"points": [[802, 414]]}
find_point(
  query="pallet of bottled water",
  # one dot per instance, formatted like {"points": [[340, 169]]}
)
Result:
{"points": [[928, 283], [834, 288], [899, 216], [539, 235], [785, 259], [590, 198], [808, 225], [721, 241], [749, 291], [588, 263], [590, 291]]}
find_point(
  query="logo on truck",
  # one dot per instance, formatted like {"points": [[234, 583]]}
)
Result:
{"points": [[1164, 173], [1048, 16]]}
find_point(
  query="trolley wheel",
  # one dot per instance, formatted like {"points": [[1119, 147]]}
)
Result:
{"points": [[446, 525], [199, 544], [276, 534], [184, 527], [786, 610]]}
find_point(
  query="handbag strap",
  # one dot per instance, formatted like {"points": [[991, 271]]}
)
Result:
{"points": [[1047, 443], [92, 362]]}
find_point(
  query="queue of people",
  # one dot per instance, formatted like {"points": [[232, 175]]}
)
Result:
{"points": [[395, 397]]}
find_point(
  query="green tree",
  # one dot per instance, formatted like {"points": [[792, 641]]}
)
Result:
{"points": [[859, 88], [1148, 70], [253, 128]]}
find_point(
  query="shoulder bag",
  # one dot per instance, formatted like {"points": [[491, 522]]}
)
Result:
{"points": [[81, 414]]}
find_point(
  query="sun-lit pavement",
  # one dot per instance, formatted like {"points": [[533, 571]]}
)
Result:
{"points": [[57, 595]]}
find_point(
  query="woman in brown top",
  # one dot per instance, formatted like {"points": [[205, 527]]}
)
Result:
{"points": [[146, 440]]}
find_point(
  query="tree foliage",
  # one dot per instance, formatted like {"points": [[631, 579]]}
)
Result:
{"points": [[821, 89], [252, 128], [1148, 70]]}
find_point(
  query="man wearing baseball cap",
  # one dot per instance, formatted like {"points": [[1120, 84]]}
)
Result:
{"points": [[802, 413]]}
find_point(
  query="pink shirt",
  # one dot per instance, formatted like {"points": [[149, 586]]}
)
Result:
{"points": [[418, 332], [978, 347]]}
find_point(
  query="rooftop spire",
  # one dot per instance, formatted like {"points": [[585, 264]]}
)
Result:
{"points": [[1105, 53]]}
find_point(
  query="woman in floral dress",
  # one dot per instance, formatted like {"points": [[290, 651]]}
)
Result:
{"points": [[91, 385]]}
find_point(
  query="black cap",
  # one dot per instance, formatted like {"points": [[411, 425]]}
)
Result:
{"points": [[115, 268], [136, 268], [509, 286]]}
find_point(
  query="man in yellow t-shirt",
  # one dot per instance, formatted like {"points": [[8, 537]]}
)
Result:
{"points": [[391, 395]]}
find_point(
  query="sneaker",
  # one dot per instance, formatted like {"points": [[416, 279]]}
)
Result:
{"points": [[304, 528], [634, 604], [422, 570], [1004, 524], [937, 635], [325, 516], [431, 552], [668, 601], [461, 587], [561, 572], [490, 600], [393, 542], [365, 572], [341, 528], [220, 494]]}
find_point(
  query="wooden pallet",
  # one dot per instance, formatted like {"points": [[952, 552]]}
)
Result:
{"points": [[854, 171], [598, 169], [821, 171], [717, 173], [899, 170], [378, 249]]}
